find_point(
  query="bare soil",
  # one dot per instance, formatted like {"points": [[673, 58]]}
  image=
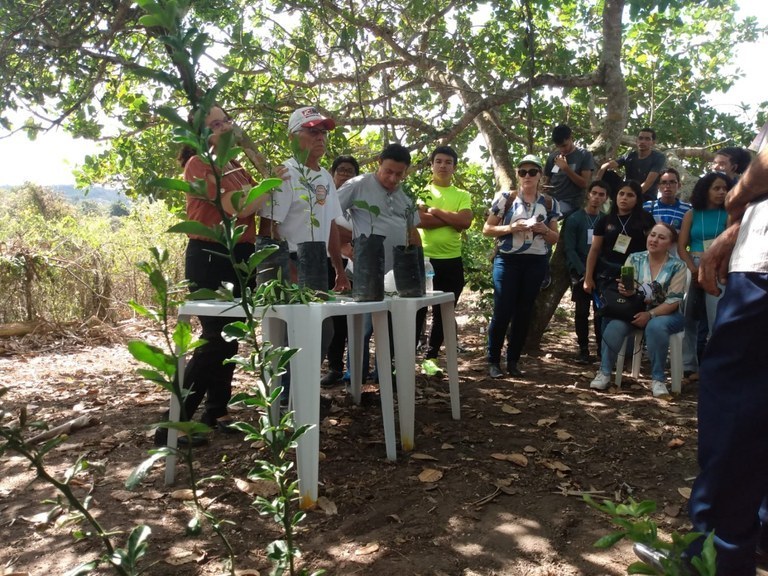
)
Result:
{"points": [[484, 516]]}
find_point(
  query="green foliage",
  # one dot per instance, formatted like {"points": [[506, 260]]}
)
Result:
{"points": [[636, 525], [59, 265]]}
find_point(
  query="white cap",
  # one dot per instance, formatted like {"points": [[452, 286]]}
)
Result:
{"points": [[309, 117]]}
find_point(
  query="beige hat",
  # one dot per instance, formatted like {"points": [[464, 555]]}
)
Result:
{"points": [[530, 159], [309, 117]]}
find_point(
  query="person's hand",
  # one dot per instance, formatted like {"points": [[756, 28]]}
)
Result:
{"points": [[623, 291], [539, 228], [281, 172], [342, 283], [589, 285], [641, 319], [610, 165], [561, 162], [713, 266]]}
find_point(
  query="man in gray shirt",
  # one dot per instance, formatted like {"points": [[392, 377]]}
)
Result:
{"points": [[568, 170]]}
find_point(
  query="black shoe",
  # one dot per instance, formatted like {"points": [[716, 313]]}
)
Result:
{"points": [[332, 378], [583, 357], [494, 371], [514, 371], [226, 427]]}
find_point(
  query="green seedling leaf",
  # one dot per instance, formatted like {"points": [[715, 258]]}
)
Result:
{"points": [[152, 355], [171, 184], [195, 228], [609, 540], [141, 471]]}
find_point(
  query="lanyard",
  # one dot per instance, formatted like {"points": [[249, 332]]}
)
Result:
{"points": [[624, 224]]}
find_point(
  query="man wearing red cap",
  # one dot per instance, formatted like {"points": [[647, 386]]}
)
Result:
{"points": [[287, 216]]}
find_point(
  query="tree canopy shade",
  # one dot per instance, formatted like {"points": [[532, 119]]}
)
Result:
{"points": [[422, 73]]}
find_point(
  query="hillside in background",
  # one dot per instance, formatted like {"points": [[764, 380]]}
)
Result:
{"points": [[106, 196]]}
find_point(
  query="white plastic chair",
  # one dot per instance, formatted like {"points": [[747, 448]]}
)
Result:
{"points": [[675, 350]]}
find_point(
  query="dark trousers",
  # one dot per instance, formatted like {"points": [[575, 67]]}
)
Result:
{"points": [[516, 283], [449, 277], [733, 427], [338, 342], [582, 302], [206, 374]]}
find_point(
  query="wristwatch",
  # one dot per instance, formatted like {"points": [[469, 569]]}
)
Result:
{"points": [[652, 313]]}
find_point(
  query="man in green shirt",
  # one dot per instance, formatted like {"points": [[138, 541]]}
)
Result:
{"points": [[445, 214]]}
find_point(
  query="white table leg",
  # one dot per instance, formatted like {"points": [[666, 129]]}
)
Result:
{"points": [[384, 364], [354, 343], [404, 326], [448, 316]]}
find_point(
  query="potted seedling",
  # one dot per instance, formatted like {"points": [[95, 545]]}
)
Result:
{"points": [[408, 259], [369, 259]]}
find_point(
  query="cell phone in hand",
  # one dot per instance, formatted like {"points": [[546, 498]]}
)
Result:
{"points": [[628, 278]]}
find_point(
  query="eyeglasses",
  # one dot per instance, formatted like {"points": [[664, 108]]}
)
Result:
{"points": [[219, 124], [530, 172], [668, 182], [345, 171], [315, 131]]}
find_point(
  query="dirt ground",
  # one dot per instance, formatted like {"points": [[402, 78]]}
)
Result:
{"points": [[616, 444]]}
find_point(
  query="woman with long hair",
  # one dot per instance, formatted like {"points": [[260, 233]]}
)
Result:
{"points": [[701, 225], [207, 265], [616, 236]]}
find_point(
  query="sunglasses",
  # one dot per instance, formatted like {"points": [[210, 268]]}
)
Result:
{"points": [[530, 172]]}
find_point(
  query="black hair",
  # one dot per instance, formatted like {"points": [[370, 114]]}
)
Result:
{"points": [[345, 159], [637, 189], [561, 133], [672, 171], [738, 156], [651, 130], [396, 152], [700, 193], [187, 152], [447, 150], [602, 185]]}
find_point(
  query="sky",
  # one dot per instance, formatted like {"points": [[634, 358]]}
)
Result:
{"points": [[51, 158]]}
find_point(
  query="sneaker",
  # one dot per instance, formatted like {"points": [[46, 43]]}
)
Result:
{"points": [[659, 389], [430, 368], [332, 378], [494, 371], [460, 349], [602, 381]]}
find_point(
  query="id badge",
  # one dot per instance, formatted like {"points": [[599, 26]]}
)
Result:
{"points": [[622, 244], [590, 235], [707, 244], [528, 240]]}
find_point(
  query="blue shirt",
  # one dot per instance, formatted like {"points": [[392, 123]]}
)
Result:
{"points": [[672, 215]]}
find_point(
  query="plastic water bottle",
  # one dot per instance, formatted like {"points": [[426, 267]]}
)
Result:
{"points": [[429, 272]]}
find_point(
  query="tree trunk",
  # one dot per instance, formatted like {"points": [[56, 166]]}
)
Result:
{"points": [[548, 300]]}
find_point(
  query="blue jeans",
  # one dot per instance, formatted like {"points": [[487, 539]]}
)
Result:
{"points": [[657, 333], [733, 428], [696, 298], [516, 283]]}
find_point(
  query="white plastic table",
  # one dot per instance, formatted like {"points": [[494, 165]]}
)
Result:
{"points": [[403, 312], [303, 324]]}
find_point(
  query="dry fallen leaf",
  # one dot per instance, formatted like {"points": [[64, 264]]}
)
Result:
{"points": [[395, 518], [672, 510], [178, 556], [420, 456], [519, 459], [560, 467], [446, 446], [684, 492], [123, 495], [546, 422], [675, 443], [507, 409], [530, 449], [498, 456], [184, 494], [430, 475], [327, 506], [563, 435], [369, 549]]}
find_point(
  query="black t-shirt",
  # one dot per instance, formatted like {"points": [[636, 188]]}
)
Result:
{"points": [[636, 225]]}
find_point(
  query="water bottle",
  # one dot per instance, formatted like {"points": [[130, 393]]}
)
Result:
{"points": [[429, 272]]}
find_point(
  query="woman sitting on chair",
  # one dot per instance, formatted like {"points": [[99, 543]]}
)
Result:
{"points": [[661, 278]]}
